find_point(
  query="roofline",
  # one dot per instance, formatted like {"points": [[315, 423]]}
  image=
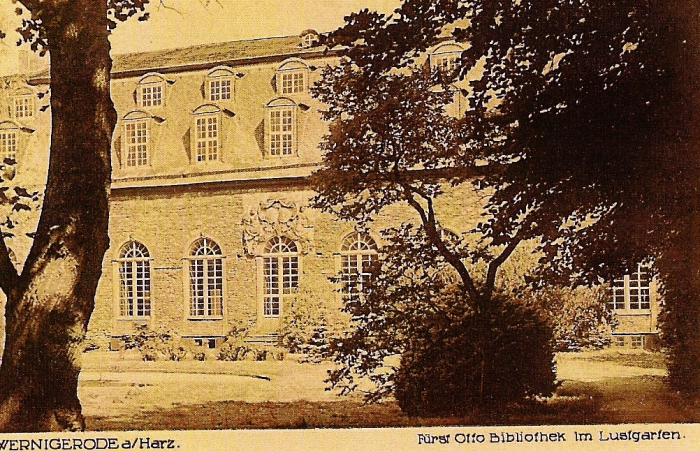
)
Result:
{"points": [[230, 62], [206, 65]]}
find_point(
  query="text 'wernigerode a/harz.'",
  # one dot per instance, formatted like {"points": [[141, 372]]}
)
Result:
{"points": [[86, 444], [503, 437]]}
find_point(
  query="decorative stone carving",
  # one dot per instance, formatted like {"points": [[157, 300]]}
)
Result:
{"points": [[274, 218]]}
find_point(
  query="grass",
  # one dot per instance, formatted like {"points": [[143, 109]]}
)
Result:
{"points": [[123, 393], [638, 359]]}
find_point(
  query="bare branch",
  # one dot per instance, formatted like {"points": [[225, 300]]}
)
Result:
{"points": [[162, 3]]}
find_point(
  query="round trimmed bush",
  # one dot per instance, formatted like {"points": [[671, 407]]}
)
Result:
{"points": [[488, 359]]}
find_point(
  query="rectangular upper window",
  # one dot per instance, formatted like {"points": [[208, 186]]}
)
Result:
{"points": [[292, 82], [136, 133], [281, 132], [632, 292], [151, 95], [207, 138], [23, 107], [8, 144], [220, 89]]}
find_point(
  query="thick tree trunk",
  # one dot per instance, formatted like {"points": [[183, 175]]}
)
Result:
{"points": [[50, 303]]}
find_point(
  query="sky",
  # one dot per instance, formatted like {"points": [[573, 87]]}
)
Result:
{"points": [[180, 23]]}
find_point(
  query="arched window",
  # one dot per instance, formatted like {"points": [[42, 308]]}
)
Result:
{"points": [[134, 280], [206, 279], [358, 252], [281, 271], [446, 56], [309, 38], [150, 91]]}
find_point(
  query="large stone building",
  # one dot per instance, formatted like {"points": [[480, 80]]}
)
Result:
{"points": [[209, 222]]}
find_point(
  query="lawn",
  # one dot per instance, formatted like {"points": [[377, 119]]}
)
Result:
{"points": [[121, 392]]}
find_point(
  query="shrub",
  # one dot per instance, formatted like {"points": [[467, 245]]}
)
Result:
{"points": [[154, 345], [580, 317], [234, 347], [308, 326], [491, 359]]}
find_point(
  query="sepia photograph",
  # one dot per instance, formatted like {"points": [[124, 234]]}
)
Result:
{"points": [[349, 224]]}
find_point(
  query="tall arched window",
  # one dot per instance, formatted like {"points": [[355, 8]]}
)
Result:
{"points": [[134, 280], [206, 279], [358, 252], [281, 270]]}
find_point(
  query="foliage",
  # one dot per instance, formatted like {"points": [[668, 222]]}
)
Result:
{"points": [[443, 370], [580, 317], [415, 308], [234, 347], [155, 345], [582, 129], [308, 325]]}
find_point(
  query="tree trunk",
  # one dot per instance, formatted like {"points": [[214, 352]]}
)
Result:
{"points": [[49, 305]]}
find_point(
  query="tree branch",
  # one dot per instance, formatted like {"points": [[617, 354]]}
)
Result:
{"points": [[9, 278], [435, 240], [496, 263]]}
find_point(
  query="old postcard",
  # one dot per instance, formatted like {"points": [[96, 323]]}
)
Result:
{"points": [[310, 241]]}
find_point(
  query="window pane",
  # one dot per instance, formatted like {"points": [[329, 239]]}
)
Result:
{"points": [[197, 287], [281, 132], [207, 137], [134, 282], [8, 145]]}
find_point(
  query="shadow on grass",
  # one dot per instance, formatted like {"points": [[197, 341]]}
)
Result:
{"points": [[561, 409]]}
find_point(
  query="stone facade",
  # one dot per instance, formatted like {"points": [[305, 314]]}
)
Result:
{"points": [[209, 222]]}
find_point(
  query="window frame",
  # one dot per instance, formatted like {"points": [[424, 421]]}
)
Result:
{"points": [[23, 102], [281, 273], [358, 252], [146, 91], [281, 142], [445, 57], [633, 292], [292, 77], [207, 148], [134, 263], [221, 75], [137, 147], [212, 306], [9, 144]]}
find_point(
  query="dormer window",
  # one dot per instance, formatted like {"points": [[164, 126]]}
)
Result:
{"points": [[219, 84], [309, 38], [151, 91], [12, 140], [24, 106], [207, 133], [8, 144], [446, 57], [281, 127], [292, 77], [21, 104], [137, 138]]}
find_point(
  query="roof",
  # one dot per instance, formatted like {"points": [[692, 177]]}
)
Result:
{"points": [[204, 55], [210, 53]]}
